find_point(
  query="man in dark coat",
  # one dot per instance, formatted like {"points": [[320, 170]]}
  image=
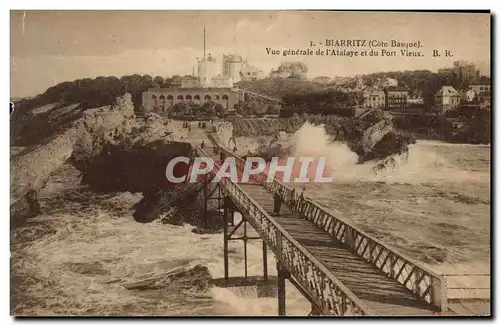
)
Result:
{"points": [[278, 200], [292, 200]]}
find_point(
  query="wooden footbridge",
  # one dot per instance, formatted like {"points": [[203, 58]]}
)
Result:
{"points": [[340, 269]]}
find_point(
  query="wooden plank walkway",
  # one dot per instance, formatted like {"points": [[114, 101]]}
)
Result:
{"points": [[382, 295]]}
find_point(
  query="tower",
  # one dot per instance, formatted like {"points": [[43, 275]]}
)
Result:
{"points": [[207, 67]]}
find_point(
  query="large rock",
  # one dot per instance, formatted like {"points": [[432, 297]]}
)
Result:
{"points": [[26, 207], [31, 167]]}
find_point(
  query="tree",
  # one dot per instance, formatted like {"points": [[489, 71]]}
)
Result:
{"points": [[219, 109], [158, 80], [210, 111], [273, 109], [259, 108]]}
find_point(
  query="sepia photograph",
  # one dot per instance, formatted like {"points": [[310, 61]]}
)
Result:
{"points": [[209, 163]]}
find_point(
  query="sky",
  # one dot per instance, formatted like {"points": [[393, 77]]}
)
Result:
{"points": [[49, 47]]}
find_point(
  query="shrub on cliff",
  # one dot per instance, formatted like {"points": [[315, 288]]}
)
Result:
{"points": [[28, 129]]}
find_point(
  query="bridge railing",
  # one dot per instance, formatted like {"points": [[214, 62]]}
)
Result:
{"points": [[329, 293], [426, 284]]}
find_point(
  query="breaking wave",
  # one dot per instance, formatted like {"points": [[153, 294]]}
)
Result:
{"points": [[425, 162]]}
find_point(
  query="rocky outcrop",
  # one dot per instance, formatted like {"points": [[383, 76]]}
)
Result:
{"points": [[380, 140], [196, 279], [26, 207], [371, 136], [31, 167]]}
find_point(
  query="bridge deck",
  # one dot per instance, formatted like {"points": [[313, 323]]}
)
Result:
{"points": [[382, 295]]}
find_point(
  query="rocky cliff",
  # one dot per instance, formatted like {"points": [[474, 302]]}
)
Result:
{"points": [[30, 168]]}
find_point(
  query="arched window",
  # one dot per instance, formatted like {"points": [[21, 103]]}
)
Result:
{"points": [[197, 97], [207, 98], [170, 100], [162, 102], [180, 98], [155, 102], [189, 98], [225, 99]]}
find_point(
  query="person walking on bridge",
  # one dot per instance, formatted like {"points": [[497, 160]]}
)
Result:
{"points": [[301, 199], [292, 200], [278, 201], [202, 144]]}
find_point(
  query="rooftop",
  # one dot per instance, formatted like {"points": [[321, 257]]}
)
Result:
{"points": [[447, 90], [396, 89]]}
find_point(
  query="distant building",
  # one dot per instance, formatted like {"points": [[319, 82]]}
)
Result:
{"points": [[238, 69], [480, 89], [396, 98], [447, 98], [373, 99], [464, 70], [390, 82], [467, 96], [415, 99], [251, 73], [207, 68]]}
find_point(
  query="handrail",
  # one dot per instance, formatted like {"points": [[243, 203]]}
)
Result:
{"points": [[425, 283], [347, 303]]}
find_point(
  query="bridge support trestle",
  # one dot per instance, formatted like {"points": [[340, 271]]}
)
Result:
{"points": [[282, 276], [229, 235]]}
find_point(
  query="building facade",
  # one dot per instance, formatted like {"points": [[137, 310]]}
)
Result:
{"points": [[161, 100], [390, 82], [464, 70], [480, 89], [467, 96], [396, 98], [238, 69], [373, 99], [447, 98], [207, 69], [190, 82]]}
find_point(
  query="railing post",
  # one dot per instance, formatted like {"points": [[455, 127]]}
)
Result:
{"points": [[439, 295], [226, 251], [264, 259], [205, 201], [279, 245], [349, 241]]}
